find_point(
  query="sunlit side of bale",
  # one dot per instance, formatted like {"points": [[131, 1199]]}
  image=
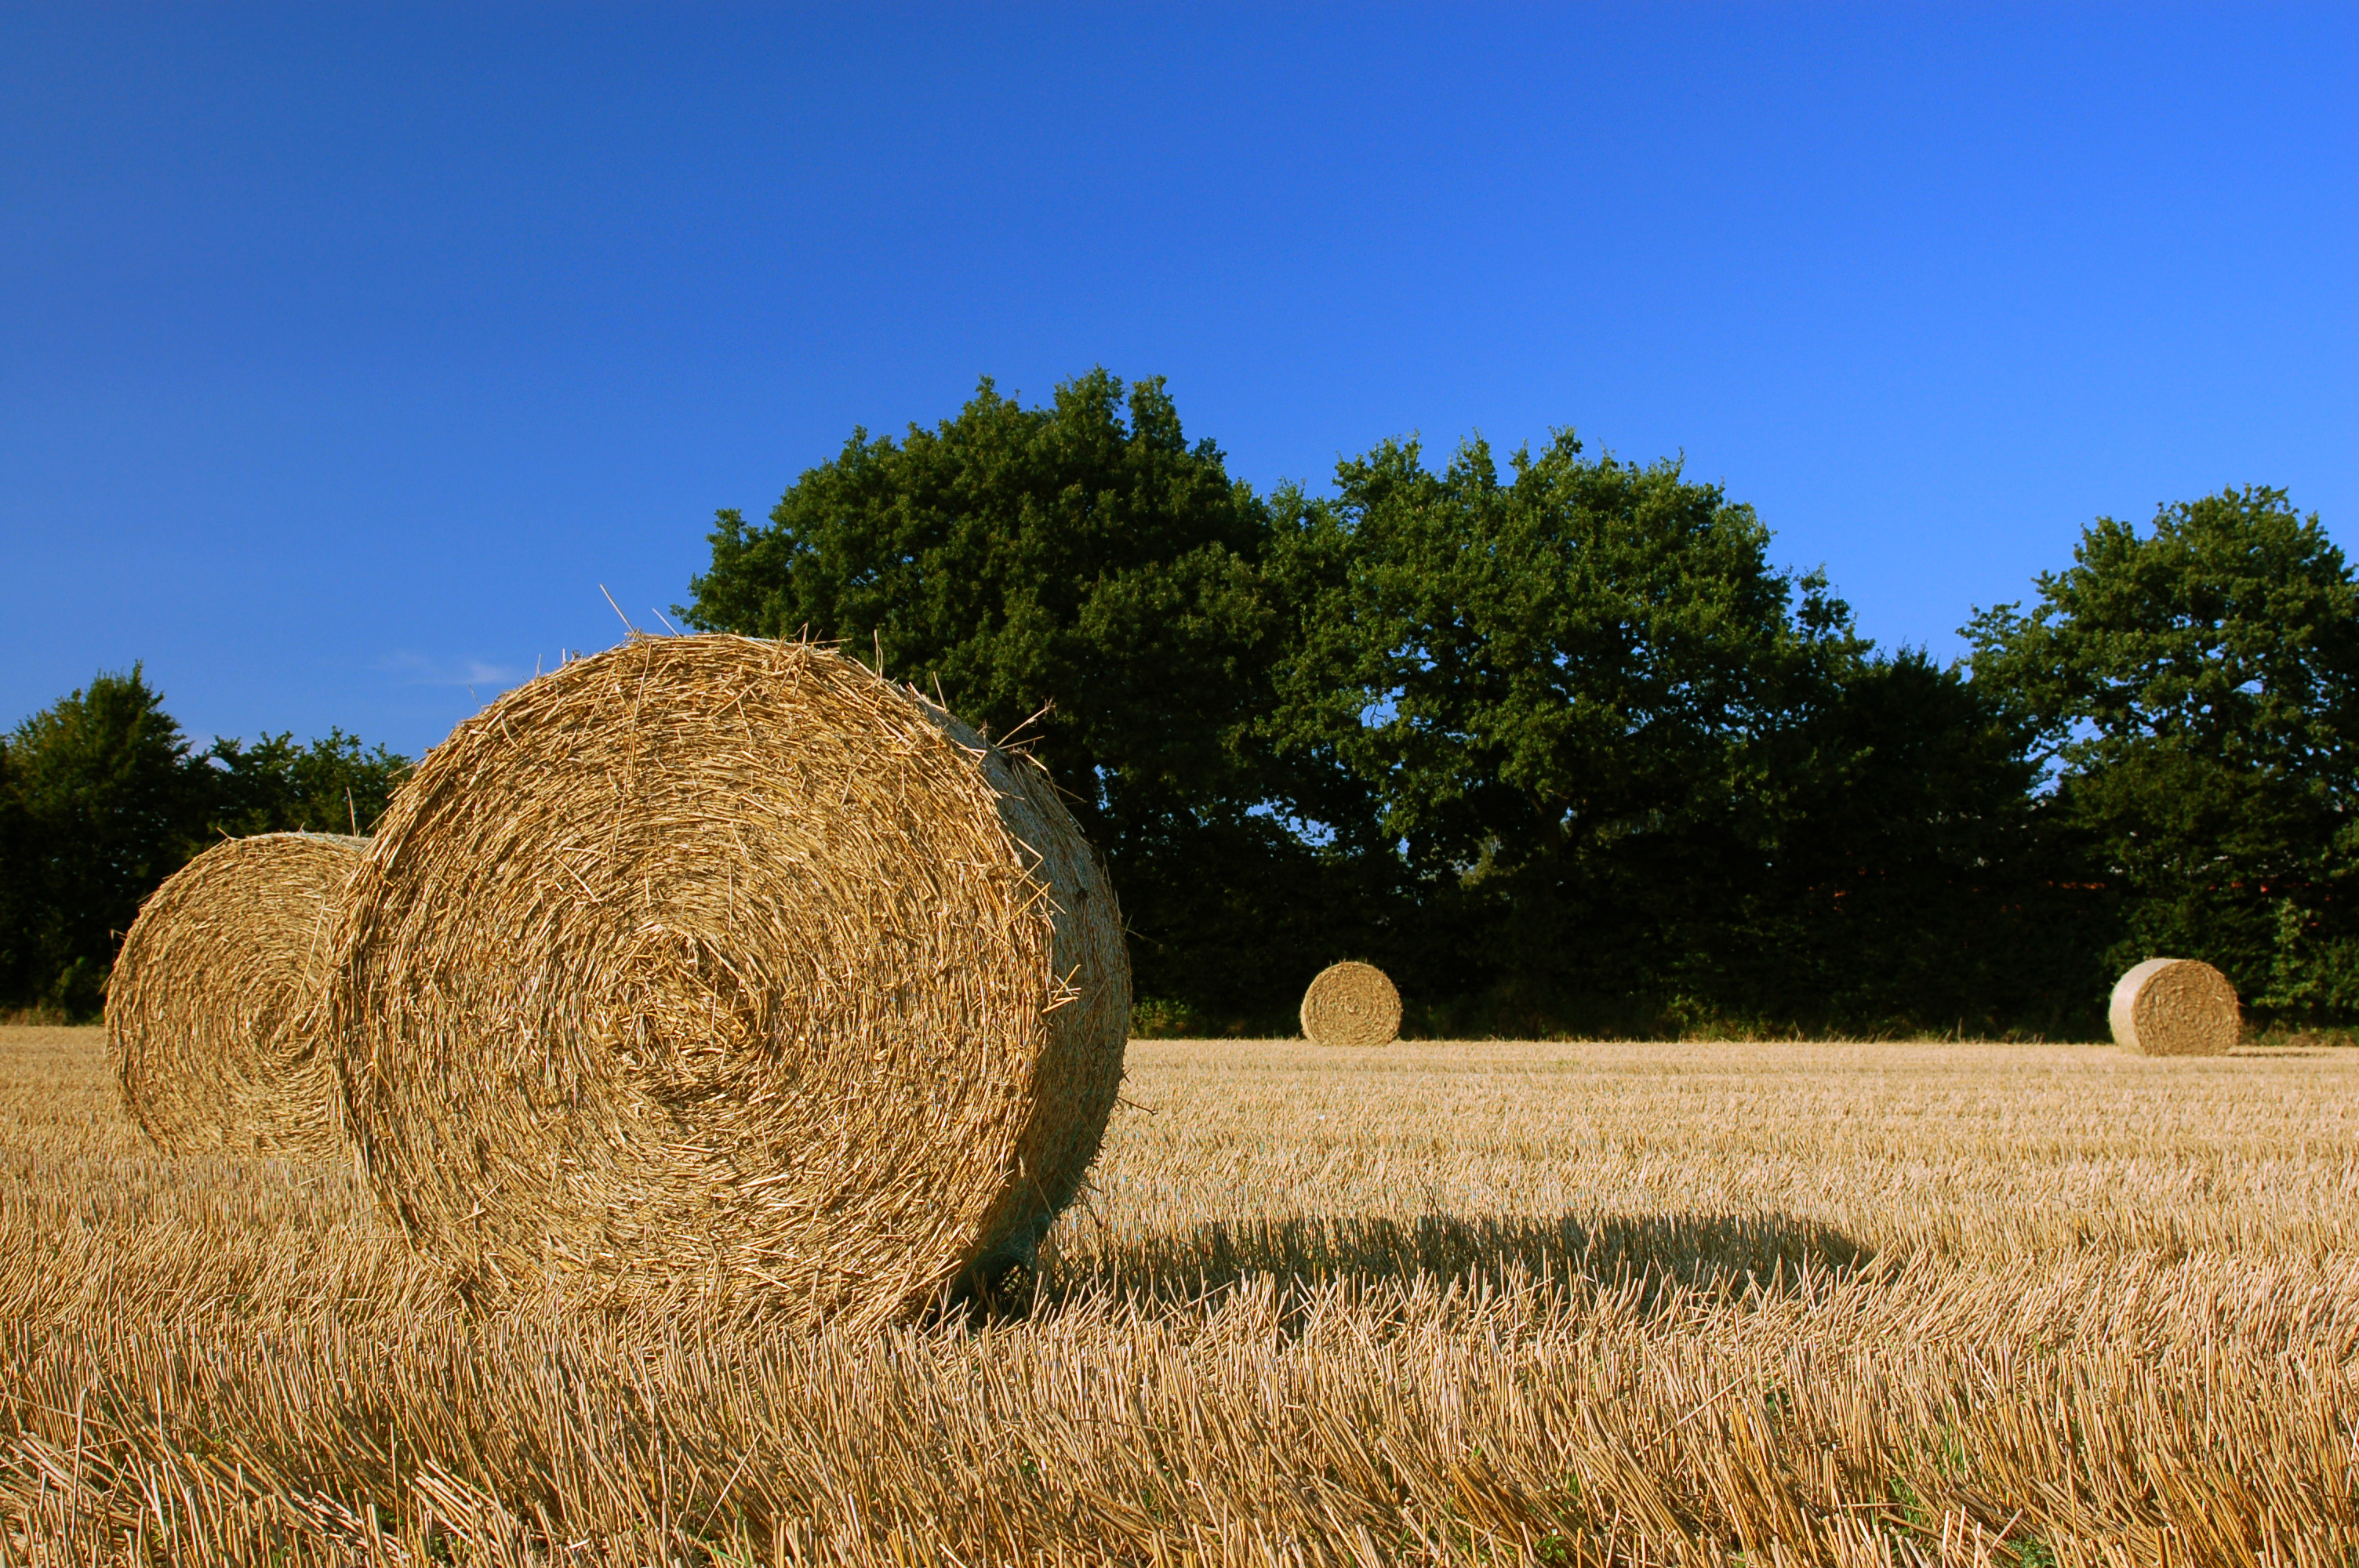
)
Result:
{"points": [[209, 1006]]}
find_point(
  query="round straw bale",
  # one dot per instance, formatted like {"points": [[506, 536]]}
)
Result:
{"points": [[1351, 1004], [208, 1007], [2175, 1007], [719, 966]]}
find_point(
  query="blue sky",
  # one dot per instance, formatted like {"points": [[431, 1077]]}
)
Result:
{"points": [[345, 352]]}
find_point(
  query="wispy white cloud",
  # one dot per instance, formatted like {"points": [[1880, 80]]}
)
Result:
{"points": [[407, 669]]}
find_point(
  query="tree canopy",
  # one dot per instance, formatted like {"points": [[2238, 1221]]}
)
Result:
{"points": [[334, 784], [1061, 574], [102, 797], [1633, 769], [1560, 745], [1557, 743], [94, 790], [1532, 667], [2195, 688]]}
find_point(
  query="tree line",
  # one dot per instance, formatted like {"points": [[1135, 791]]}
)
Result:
{"points": [[102, 796], [1556, 744], [1552, 740]]}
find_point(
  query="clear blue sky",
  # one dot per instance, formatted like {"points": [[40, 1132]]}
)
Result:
{"points": [[345, 350]]}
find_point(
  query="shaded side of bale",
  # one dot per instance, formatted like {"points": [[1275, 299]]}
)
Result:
{"points": [[1080, 1068], [1351, 1003], [209, 1009], [2175, 1007], [723, 967]]}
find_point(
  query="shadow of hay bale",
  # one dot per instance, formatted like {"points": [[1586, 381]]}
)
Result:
{"points": [[1729, 1252]]}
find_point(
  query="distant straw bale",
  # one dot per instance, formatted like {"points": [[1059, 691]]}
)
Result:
{"points": [[718, 966], [208, 1008], [1351, 1004], [2175, 1007]]}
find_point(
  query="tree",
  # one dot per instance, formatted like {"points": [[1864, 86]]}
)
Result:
{"points": [[102, 798], [2196, 688], [19, 961], [1915, 880], [1086, 585], [1568, 691], [101, 808]]}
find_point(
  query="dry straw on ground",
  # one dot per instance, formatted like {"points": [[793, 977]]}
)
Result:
{"points": [[1708, 1304], [717, 966], [1351, 1004], [2175, 1007], [209, 1006]]}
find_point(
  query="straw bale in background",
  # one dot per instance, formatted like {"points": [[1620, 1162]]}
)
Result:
{"points": [[208, 1007], [720, 966], [1351, 1004], [2175, 1007]]}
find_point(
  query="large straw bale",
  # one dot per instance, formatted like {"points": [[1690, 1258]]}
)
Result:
{"points": [[208, 1007], [1351, 1004], [721, 967], [2175, 1007]]}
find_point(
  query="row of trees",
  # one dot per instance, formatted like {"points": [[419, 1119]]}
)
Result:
{"points": [[1561, 748], [1556, 745], [102, 797]]}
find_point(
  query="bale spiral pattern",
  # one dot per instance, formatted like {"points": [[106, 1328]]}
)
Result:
{"points": [[208, 1008], [2175, 1007], [1351, 1004], [720, 966]]}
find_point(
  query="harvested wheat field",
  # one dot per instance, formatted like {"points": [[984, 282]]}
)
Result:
{"points": [[1497, 1303]]}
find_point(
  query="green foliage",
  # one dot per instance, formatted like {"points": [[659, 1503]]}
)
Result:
{"points": [[1154, 1018], [2197, 689], [332, 785], [1913, 875], [1564, 752], [102, 798], [97, 810], [1532, 669], [1055, 566], [1642, 779]]}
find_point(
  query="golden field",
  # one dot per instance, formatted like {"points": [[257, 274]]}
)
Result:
{"points": [[1575, 1303]]}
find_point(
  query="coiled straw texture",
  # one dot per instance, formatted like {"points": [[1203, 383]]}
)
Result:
{"points": [[1351, 1004], [2175, 1007], [721, 967], [208, 1007]]}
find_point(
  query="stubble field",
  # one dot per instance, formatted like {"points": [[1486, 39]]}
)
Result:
{"points": [[1563, 1303]]}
